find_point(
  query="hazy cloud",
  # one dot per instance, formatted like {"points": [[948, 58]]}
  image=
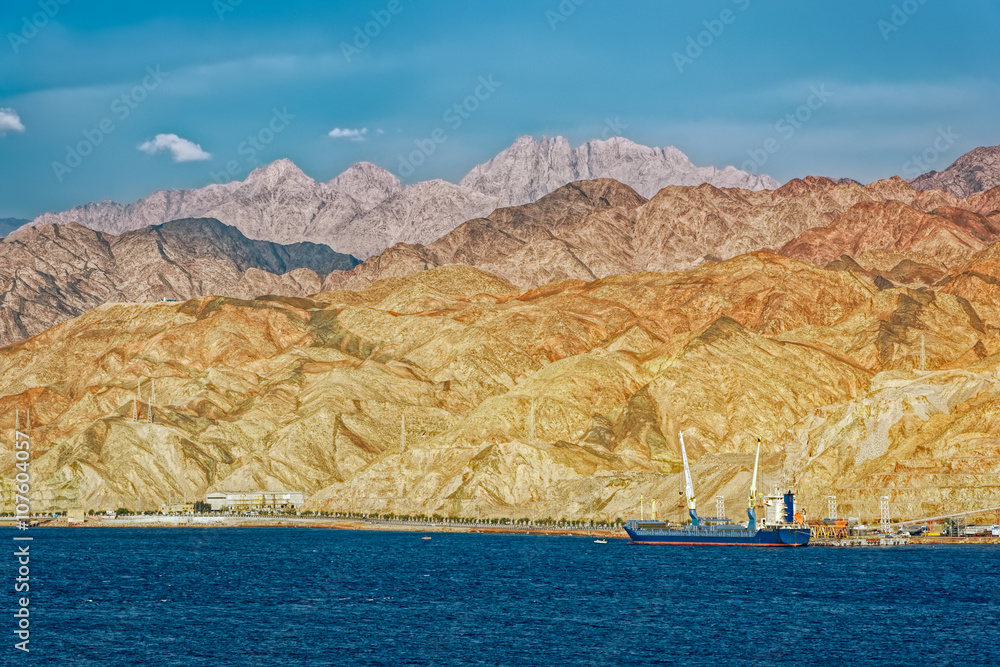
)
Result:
{"points": [[355, 134], [182, 149], [10, 121]]}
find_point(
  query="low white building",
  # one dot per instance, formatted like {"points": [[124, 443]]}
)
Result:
{"points": [[240, 501]]}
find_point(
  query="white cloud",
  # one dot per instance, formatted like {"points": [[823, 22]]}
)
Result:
{"points": [[356, 134], [182, 149], [10, 121]]}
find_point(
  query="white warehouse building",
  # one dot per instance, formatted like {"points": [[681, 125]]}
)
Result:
{"points": [[254, 500]]}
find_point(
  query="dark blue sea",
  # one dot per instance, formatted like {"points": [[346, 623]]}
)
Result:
{"points": [[287, 596]]}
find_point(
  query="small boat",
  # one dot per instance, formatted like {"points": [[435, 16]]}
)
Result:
{"points": [[601, 541], [425, 538]]}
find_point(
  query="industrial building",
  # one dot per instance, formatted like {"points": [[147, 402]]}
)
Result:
{"points": [[243, 501], [177, 508]]}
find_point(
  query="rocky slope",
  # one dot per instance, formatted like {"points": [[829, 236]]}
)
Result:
{"points": [[532, 168], [365, 209], [583, 231], [976, 171], [49, 273], [591, 229], [561, 401], [946, 235]]}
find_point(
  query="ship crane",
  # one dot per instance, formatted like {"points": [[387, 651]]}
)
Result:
{"points": [[688, 485], [752, 497]]}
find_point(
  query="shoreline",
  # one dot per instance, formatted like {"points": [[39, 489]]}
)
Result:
{"points": [[366, 524], [324, 523]]}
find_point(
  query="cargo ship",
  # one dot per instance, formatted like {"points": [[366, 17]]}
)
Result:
{"points": [[781, 527]]}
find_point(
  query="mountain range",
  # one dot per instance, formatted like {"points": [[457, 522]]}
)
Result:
{"points": [[560, 401], [543, 354], [531, 169], [366, 209], [597, 228], [581, 231], [50, 273]]}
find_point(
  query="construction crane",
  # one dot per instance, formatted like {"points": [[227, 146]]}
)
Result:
{"points": [[688, 485], [752, 497]]}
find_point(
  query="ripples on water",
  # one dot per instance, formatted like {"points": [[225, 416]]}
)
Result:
{"points": [[277, 596]]}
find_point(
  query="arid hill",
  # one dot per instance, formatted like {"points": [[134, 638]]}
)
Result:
{"points": [[582, 231], [454, 391], [50, 273], [592, 229], [944, 235]]}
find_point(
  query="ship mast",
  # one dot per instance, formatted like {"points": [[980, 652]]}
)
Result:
{"points": [[689, 486], [752, 497]]}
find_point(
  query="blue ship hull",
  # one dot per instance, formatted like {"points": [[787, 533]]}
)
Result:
{"points": [[658, 533]]}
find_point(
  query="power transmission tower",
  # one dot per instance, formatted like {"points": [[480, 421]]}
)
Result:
{"points": [[884, 520]]}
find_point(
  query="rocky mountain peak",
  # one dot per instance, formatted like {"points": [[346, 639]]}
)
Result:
{"points": [[368, 183], [531, 168], [280, 171], [976, 171]]}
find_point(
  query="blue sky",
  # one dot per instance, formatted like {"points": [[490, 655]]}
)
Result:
{"points": [[167, 95]]}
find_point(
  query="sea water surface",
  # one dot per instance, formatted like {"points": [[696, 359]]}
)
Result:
{"points": [[292, 596]]}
